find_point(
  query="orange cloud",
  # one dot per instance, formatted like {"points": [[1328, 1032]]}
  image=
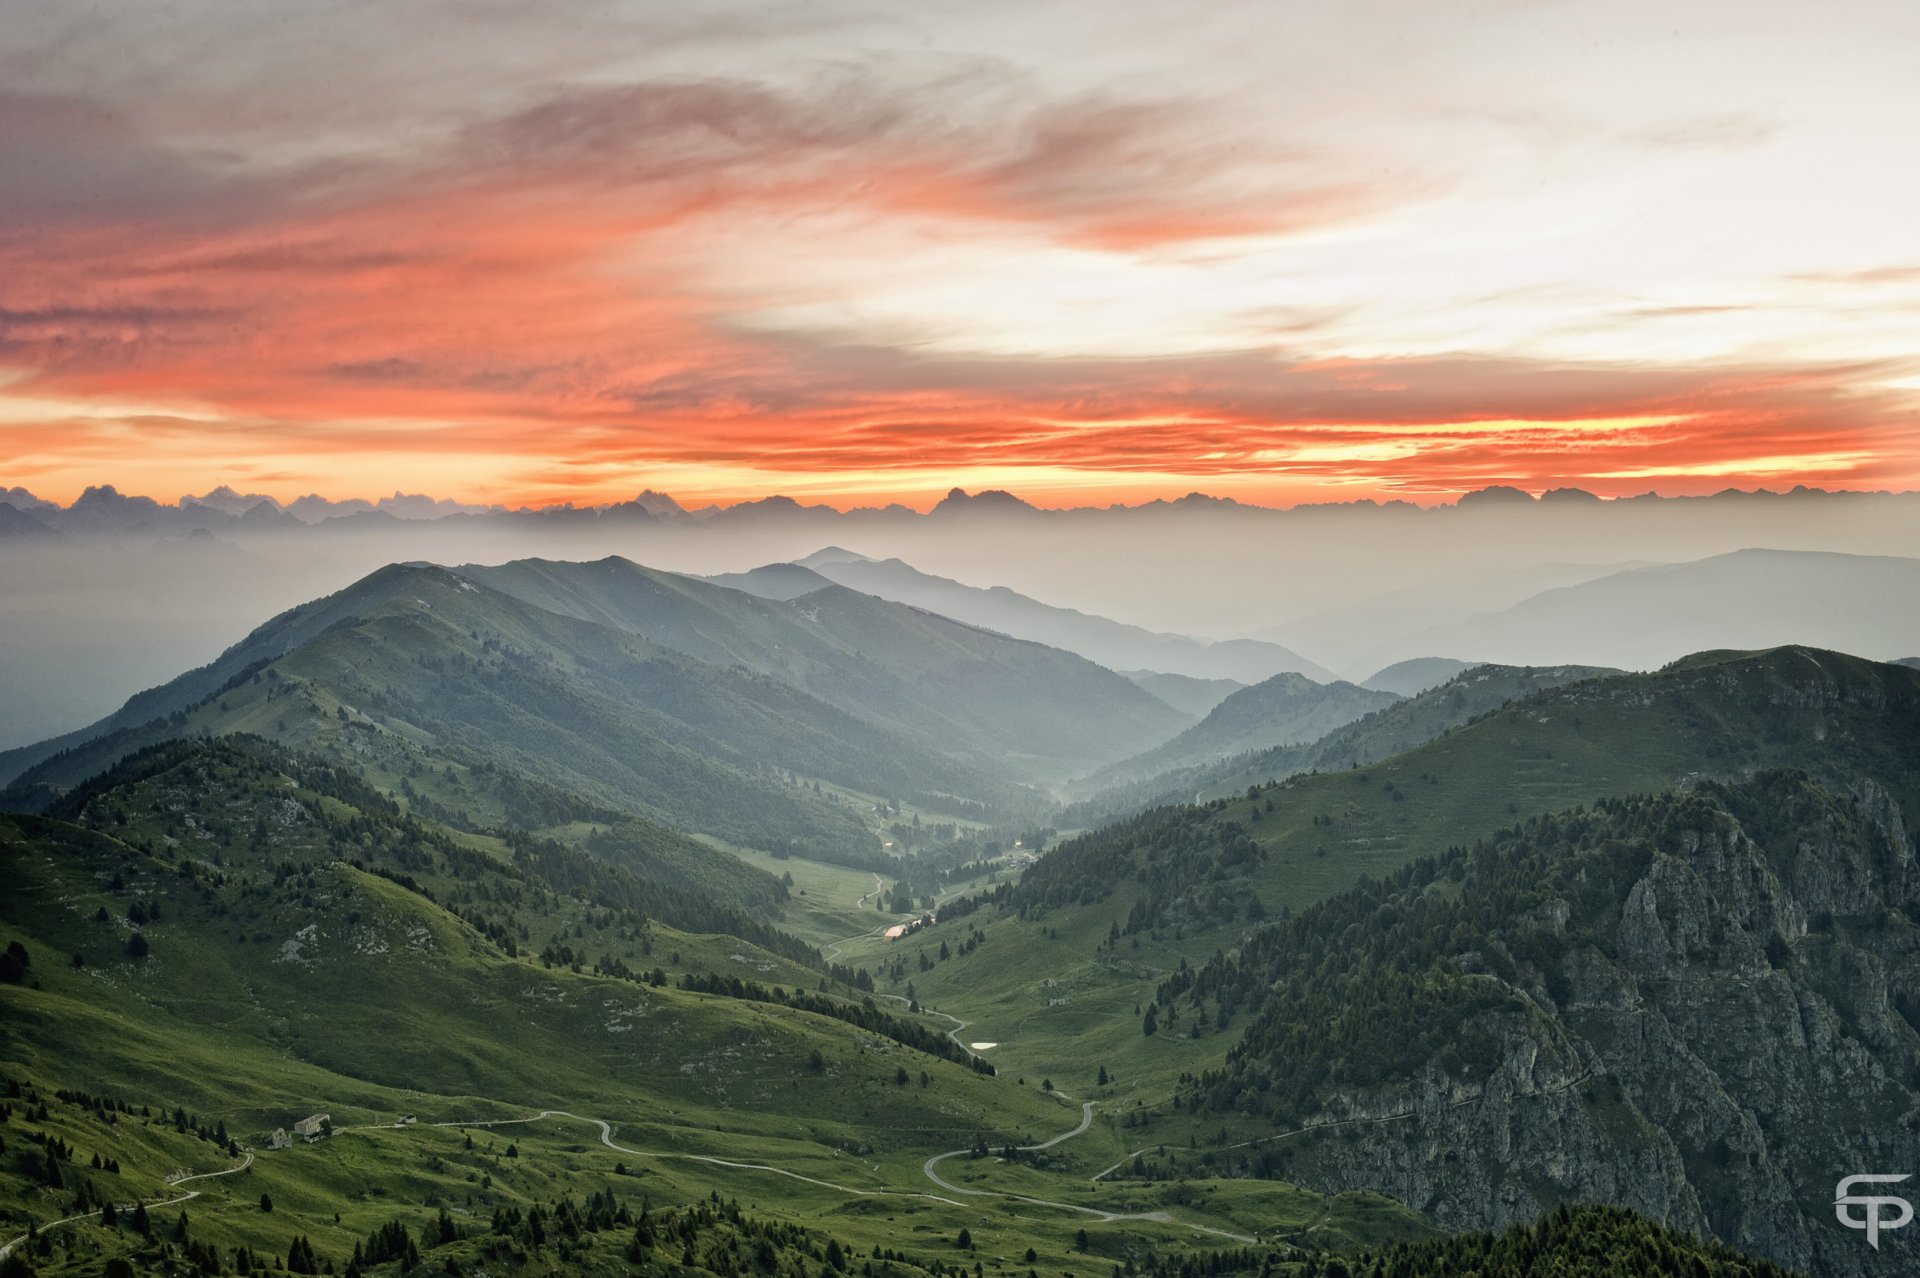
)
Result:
{"points": [[531, 311]]}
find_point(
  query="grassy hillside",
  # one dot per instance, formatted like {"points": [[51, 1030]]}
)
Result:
{"points": [[1068, 961], [1713, 715], [313, 936], [239, 798], [1397, 727], [1414, 676], [417, 671], [1113, 644], [1695, 1005], [953, 688], [375, 984], [1186, 694], [248, 938], [1287, 709]]}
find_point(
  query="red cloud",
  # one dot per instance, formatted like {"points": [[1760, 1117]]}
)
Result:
{"points": [[529, 295]]}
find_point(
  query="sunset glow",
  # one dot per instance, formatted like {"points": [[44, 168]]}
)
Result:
{"points": [[862, 255]]}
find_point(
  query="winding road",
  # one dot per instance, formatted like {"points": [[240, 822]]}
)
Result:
{"points": [[952, 1034], [1086, 1121], [928, 1168], [832, 951], [6, 1248], [606, 1138]]}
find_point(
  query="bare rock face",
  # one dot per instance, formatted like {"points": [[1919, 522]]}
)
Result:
{"points": [[1714, 1035]]}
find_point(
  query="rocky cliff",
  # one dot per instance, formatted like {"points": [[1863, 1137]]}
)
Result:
{"points": [[1700, 1006]]}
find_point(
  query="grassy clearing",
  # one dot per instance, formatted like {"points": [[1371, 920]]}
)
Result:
{"points": [[329, 989]]}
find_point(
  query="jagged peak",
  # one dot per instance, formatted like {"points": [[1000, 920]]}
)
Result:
{"points": [[1495, 495], [987, 500], [833, 555]]}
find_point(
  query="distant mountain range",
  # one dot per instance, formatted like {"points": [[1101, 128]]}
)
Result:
{"points": [[647, 693], [1111, 643], [1397, 726], [1350, 637], [958, 689], [1415, 675], [103, 507], [1184, 693], [1288, 709], [1200, 587], [1642, 618]]}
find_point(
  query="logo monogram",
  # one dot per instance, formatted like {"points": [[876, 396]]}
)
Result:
{"points": [[1872, 1221]]}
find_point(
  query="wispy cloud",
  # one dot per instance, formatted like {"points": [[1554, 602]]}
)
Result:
{"points": [[855, 247]]}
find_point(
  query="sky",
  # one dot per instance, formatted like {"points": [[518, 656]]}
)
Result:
{"points": [[859, 253]]}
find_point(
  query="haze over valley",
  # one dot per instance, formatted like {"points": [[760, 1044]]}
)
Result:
{"points": [[992, 838], [1334, 592]]}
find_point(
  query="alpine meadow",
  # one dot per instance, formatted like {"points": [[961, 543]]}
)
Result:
{"points": [[1015, 641]]}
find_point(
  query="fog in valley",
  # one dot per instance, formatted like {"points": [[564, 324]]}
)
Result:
{"points": [[114, 595]]}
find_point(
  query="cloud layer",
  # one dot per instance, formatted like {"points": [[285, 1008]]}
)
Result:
{"points": [[852, 256]]}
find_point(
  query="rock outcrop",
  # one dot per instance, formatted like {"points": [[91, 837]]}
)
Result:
{"points": [[1701, 1007]]}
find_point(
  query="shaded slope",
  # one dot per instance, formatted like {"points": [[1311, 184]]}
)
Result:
{"points": [[1287, 709], [1696, 1005], [1184, 693], [389, 954], [242, 799], [1399, 726], [1715, 715], [1113, 644], [272, 639], [778, 582], [418, 665], [955, 688], [1644, 617], [1414, 676]]}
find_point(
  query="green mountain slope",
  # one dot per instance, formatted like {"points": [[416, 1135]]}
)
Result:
{"points": [[1714, 715], [283, 905], [1416, 675], [242, 937], [1073, 953], [1287, 709], [417, 670], [1377, 735], [242, 797], [1113, 644], [1188, 695], [1643, 616], [1698, 1005], [952, 687]]}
